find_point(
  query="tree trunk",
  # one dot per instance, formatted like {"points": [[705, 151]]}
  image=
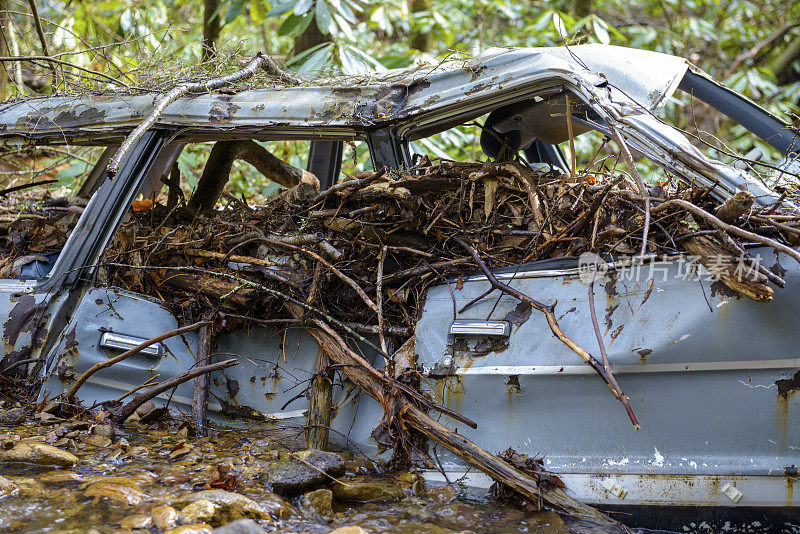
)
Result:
{"points": [[583, 8], [310, 38], [211, 25], [320, 404], [4, 24], [781, 65], [419, 40]]}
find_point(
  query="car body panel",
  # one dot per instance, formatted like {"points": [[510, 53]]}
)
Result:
{"points": [[703, 368]]}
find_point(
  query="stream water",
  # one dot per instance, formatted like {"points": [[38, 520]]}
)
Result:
{"points": [[127, 478]]}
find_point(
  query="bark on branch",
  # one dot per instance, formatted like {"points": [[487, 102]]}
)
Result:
{"points": [[260, 61]]}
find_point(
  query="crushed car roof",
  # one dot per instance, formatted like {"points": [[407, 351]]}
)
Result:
{"points": [[647, 78]]}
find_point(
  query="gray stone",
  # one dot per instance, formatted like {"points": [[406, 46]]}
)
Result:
{"points": [[293, 474], [229, 505], [242, 526], [367, 492], [12, 417]]}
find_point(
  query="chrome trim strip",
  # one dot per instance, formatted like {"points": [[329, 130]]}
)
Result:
{"points": [[686, 367], [110, 340], [477, 327], [658, 490]]}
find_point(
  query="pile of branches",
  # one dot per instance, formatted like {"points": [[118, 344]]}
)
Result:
{"points": [[353, 262]]}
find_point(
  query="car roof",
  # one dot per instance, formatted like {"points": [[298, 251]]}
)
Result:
{"points": [[348, 106]]}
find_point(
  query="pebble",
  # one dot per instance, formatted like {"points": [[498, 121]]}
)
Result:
{"points": [[229, 505], [7, 487], [349, 530], [117, 489], [240, 526], [12, 417], [198, 512], [367, 492], [136, 521], [39, 454], [197, 528], [164, 517], [319, 501]]}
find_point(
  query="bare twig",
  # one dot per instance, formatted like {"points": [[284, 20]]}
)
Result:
{"points": [[70, 396], [40, 32], [260, 61], [166, 385], [322, 195], [379, 298], [731, 229]]}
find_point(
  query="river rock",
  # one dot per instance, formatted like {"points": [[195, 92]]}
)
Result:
{"points": [[164, 517], [442, 494], [198, 512], [240, 526], [117, 489], [349, 530], [136, 521], [12, 417], [7, 487], [39, 454], [230, 506], [106, 431], [292, 475], [367, 492], [95, 440], [319, 501], [197, 528]]}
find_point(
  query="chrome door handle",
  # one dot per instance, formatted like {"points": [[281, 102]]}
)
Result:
{"points": [[109, 340], [476, 327]]}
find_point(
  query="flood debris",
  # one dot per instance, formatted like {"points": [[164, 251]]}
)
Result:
{"points": [[356, 259]]}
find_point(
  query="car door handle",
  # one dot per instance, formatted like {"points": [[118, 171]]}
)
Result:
{"points": [[110, 340], [476, 327]]}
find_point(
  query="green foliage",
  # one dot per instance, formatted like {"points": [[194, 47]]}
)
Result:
{"points": [[164, 36]]}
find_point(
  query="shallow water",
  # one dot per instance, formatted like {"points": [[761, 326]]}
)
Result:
{"points": [[85, 498]]}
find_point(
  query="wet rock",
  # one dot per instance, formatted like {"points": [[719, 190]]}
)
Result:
{"points": [[39, 454], [7, 487], [198, 528], [240, 526], [118, 489], [164, 517], [154, 415], [104, 430], [442, 494], [136, 521], [349, 530], [198, 512], [95, 440], [230, 506], [293, 475], [367, 492], [12, 417], [319, 501]]}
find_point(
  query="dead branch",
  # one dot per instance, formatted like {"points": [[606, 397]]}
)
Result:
{"points": [[260, 61], [462, 447], [201, 383], [735, 230], [347, 184], [606, 366], [70, 395], [166, 385], [551, 321], [220, 162]]}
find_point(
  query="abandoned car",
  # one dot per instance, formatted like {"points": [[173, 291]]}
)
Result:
{"points": [[713, 377]]}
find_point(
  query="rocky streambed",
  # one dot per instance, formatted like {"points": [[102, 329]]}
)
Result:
{"points": [[151, 475]]}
